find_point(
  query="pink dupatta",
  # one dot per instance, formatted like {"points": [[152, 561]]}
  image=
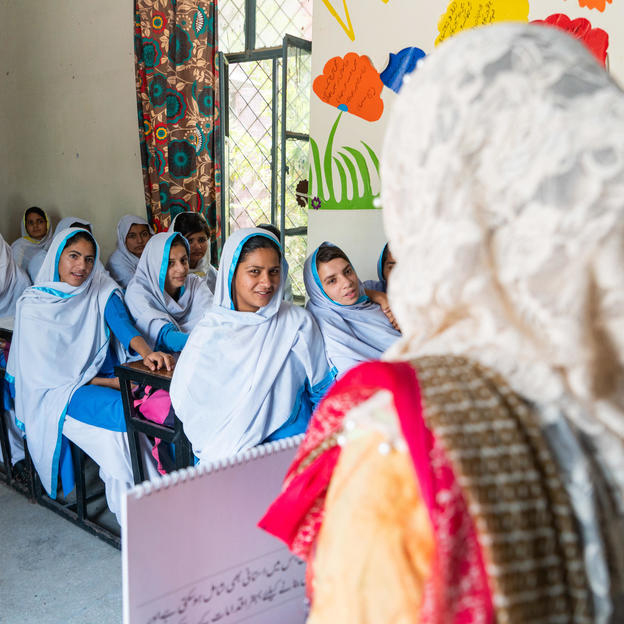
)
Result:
{"points": [[458, 590]]}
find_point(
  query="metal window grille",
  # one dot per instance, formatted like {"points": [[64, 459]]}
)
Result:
{"points": [[265, 100]]}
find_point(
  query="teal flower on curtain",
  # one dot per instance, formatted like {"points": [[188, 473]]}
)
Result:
{"points": [[163, 189], [158, 90], [205, 101], [176, 106], [182, 159], [151, 53], [177, 83], [159, 161], [178, 205], [180, 46]]}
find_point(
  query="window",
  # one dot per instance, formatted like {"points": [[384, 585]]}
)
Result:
{"points": [[265, 80]]}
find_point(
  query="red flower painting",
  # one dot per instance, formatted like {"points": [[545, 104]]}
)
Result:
{"points": [[596, 39]]}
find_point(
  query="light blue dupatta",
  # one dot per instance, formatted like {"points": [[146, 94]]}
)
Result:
{"points": [[25, 247], [242, 375], [59, 344], [122, 264], [380, 284], [150, 305], [352, 333], [13, 280]]}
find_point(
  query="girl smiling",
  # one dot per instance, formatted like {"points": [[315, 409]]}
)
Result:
{"points": [[254, 367]]}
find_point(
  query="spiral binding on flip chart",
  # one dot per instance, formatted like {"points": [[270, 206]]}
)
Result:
{"points": [[187, 474]]}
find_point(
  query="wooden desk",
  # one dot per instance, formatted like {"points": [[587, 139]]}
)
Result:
{"points": [[138, 373]]}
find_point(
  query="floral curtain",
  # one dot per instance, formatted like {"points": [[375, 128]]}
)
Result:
{"points": [[177, 100]]}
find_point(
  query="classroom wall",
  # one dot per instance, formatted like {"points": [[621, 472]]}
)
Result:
{"points": [[376, 28], [68, 116]]}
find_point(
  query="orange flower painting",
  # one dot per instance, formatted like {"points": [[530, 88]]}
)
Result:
{"points": [[596, 39], [595, 4], [351, 84]]}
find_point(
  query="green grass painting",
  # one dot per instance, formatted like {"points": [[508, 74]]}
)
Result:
{"points": [[349, 162]]}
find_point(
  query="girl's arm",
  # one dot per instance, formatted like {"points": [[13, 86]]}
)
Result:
{"points": [[381, 299], [118, 320], [170, 339]]}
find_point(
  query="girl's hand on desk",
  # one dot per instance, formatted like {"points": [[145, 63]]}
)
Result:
{"points": [[157, 360]]}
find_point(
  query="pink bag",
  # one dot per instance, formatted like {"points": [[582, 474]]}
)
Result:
{"points": [[156, 407]]}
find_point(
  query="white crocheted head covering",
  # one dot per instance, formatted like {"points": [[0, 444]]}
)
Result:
{"points": [[503, 194]]}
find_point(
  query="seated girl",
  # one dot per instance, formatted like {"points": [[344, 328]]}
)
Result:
{"points": [[376, 289], [354, 328], [385, 264], [254, 368], [164, 299], [61, 360], [38, 257], [13, 280], [132, 235], [36, 236], [269, 227], [196, 230]]}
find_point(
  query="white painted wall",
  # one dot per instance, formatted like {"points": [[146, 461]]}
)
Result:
{"points": [[68, 116]]}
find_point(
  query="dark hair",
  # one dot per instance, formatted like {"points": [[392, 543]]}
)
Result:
{"points": [[36, 210], [84, 235], [327, 253], [269, 227], [179, 240], [258, 242], [188, 223], [384, 256], [82, 226]]}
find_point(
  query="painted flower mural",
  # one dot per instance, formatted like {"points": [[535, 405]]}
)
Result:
{"points": [[464, 14], [352, 85], [596, 39], [595, 4], [399, 65]]}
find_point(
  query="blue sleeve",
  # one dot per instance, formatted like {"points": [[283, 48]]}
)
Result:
{"points": [[170, 339], [317, 392], [118, 320]]}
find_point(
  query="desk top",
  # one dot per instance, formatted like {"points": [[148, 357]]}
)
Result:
{"points": [[139, 367]]}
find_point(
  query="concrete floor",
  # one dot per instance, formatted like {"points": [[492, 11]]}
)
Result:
{"points": [[52, 571]]}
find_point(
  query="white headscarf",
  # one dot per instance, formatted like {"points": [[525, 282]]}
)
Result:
{"points": [[25, 248], [59, 344], [122, 264], [38, 257], [241, 374], [503, 194], [13, 280], [149, 304], [204, 268], [352, 333]]}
